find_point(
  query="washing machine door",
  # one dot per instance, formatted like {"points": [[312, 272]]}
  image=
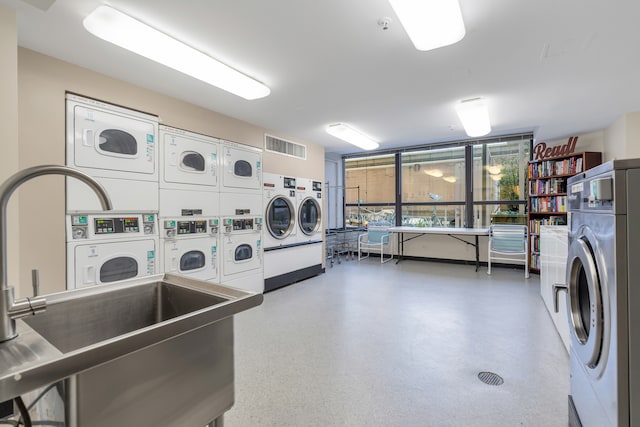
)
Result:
{"points": [[585, 305], [280, 216], [309, 217]]}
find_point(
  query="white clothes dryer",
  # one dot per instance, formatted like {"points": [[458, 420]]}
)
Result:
{"points": [[603, 299], [309, 199], [105, 248], [189, 246], [188, 173], [280, 211], [242, 252], [117, 146], [241, 168]]}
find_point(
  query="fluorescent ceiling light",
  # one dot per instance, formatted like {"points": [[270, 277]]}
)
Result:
{"points": [[434, 172], [131, 34], [352, 136], [450, 178], [430, 24], [474, 115]]}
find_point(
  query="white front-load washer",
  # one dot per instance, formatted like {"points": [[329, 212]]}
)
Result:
{"points": [[189, 246], [188, 173], [309, 199], [242, 265], [280, 210], [109, 247], [115, 145], [241, 168], [602, 296]]}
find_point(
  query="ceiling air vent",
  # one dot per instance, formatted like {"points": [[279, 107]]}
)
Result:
{"points": [[282, 146]]}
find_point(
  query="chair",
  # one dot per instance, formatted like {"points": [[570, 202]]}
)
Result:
{"points": [[376, 238], [507, 243]]}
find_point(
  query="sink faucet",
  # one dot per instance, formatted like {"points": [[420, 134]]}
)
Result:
{"points": [[10, 309]]}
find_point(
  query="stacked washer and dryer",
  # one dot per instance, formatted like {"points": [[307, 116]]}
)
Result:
{"points": [[116, 146], [603, 298], [183, 202], [241, 217], [189, 204], [293, 237]]}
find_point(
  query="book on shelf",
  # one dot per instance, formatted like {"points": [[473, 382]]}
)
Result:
{"points": [[535, 224], [549, 204]]}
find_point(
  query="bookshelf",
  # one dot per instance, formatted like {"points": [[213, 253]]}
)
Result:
{"points": [[547, 188]]}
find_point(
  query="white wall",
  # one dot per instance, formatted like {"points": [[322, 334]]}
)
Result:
{"points": [[9, 160], [622, 138]]}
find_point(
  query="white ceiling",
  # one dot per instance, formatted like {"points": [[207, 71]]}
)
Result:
{"points": [[554, 67]]}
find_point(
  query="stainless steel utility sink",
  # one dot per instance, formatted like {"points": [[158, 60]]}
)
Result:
{"points": [[81, 321], [85, 328]]}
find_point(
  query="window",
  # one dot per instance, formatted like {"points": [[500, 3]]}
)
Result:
{"points": [[433, 187], [432, 184], [499, 177], [370, 190]]}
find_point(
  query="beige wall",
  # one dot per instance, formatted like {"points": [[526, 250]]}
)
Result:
{"points": [[9, 162], [42, 84], [593, 141], [621, 138]]}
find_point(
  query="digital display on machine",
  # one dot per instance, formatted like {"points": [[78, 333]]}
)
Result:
{"points": [[243, 224], [317, 186], [116, 225], [289, 182], [192, 227]]}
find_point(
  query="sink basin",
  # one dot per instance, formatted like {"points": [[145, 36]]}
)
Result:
{"points": [[84, 328], [85, 320]]}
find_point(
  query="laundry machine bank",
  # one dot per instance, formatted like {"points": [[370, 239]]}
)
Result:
{"points": [[603, 299], [293, 241], [115, 145], [105, 248]]}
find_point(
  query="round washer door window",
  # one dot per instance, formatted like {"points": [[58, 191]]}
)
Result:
{"points": [[309, 216], [586, 322], [280, 217]]}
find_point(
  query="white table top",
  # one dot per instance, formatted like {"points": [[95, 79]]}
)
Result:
{"points": [[441, 230]]}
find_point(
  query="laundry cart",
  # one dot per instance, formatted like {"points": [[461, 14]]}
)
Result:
{"points": [[342, 243]]}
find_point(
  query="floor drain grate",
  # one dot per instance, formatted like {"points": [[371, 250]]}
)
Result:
{"points": [[490, 378]]}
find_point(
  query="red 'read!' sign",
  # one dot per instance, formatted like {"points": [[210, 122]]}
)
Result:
{"points": [[541, 151]]}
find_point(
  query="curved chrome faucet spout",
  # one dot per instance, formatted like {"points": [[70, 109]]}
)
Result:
{"points": [[10, 309]]}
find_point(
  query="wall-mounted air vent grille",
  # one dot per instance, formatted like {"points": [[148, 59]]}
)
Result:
{"points": [[282, 146]]}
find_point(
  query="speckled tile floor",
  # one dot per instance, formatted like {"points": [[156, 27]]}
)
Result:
{"points": [[400, 345]]}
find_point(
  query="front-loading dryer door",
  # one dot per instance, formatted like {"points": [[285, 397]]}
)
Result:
{"points": [[112, 141], [242, 253], [100, 263], [189, 161], [280, 217], [309, 218], [242, 168], [585, 306], [196, 257]]}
